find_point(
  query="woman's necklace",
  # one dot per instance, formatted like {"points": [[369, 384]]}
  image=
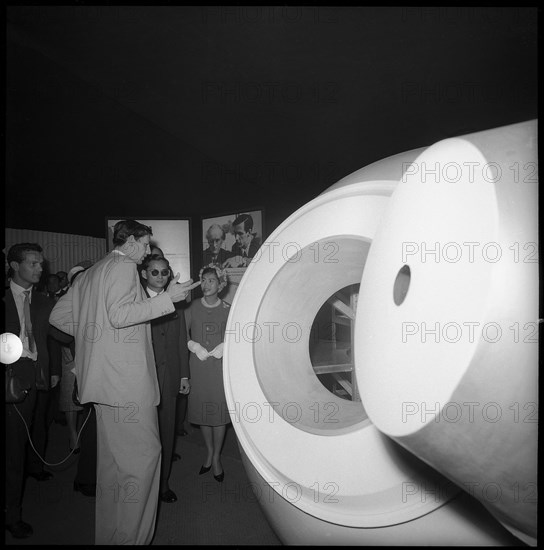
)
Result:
{"points": [[215, 304]]}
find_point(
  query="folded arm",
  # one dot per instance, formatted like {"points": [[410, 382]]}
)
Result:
{"points": [[124, 305]]}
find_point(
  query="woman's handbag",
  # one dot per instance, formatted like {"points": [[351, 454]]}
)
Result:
{"points": [[15, 393]]}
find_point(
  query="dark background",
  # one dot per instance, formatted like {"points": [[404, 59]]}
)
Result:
{"points": [[199, 111]]}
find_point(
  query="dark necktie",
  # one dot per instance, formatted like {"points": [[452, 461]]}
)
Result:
{"points": [[28, 323]]}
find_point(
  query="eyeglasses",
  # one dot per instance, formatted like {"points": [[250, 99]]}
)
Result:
{"points": [[164, 272]]}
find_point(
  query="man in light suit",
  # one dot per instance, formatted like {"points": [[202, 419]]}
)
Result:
{"points": [[172, 359], [108, 314]]}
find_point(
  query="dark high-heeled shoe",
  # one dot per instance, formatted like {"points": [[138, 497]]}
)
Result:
{"points": [[204, 469], [220, 477]]}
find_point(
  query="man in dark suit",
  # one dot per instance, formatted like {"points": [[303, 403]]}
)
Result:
{"points": [[169, 336], [44, 409], [247, 243], [64, 284], [215, 254], [27, 316]]}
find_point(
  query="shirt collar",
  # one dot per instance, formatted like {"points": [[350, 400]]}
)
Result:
{"points": [[17, 289], [152, 293], [246, 247]]}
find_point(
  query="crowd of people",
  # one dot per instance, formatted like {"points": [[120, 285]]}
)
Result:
{"points": [[117, 339]]}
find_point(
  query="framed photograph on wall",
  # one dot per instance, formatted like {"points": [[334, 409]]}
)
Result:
{"points": [[171, 235], [230, 241]]}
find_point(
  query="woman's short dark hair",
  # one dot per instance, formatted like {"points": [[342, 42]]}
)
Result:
{"points": [[125, 228], [210, 270]]}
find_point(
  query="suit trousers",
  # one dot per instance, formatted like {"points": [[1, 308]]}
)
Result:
{"points": [[40, 431], [167, 429], [17, 446], [128, 473], [181, 412], [86, 464]]}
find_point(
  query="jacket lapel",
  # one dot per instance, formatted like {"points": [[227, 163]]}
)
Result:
{"points": [[160, 320], [13, 323]]}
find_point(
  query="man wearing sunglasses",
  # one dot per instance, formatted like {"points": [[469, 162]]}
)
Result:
{"points": [[172, 362]]}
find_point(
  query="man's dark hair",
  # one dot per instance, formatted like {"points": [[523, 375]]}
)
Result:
{"points": [[246, 219], [153, 246], [17, 252], [125, 228], [154, 257]]}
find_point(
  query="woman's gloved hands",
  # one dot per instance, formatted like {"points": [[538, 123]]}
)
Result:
{"points": [[217, 352], [202, 353], [198, 350]]}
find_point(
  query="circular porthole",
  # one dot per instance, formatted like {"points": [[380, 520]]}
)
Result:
{"points": [[331, 343], [284, 367]]}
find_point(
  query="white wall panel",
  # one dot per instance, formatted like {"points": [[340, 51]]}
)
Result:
{"points": [[61, 250]]}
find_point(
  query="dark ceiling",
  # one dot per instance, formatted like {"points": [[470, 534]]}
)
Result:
{"points": [[191, 111]]}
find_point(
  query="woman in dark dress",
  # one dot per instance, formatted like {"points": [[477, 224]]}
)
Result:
{"points": [[206, 322]]}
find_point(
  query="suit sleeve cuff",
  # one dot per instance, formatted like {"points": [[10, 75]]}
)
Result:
{"points": [[164, 304]]}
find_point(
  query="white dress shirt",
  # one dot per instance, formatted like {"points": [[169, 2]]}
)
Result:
{"points": [[19, 297]]}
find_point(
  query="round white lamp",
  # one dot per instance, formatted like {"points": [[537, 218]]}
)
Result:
{"points": [[11, 348]]}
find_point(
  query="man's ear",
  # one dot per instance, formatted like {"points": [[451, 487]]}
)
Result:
{"points": [[130, 239], [14, 265], [144, 274]]}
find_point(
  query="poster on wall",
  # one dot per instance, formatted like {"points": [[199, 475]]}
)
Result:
{"points": [[231, 241], [171, 235]]}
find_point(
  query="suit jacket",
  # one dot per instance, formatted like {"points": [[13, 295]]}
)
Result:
{"points": [[253, 247], [169, 335], [40, 308], [108, 314], [222, 255]]}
